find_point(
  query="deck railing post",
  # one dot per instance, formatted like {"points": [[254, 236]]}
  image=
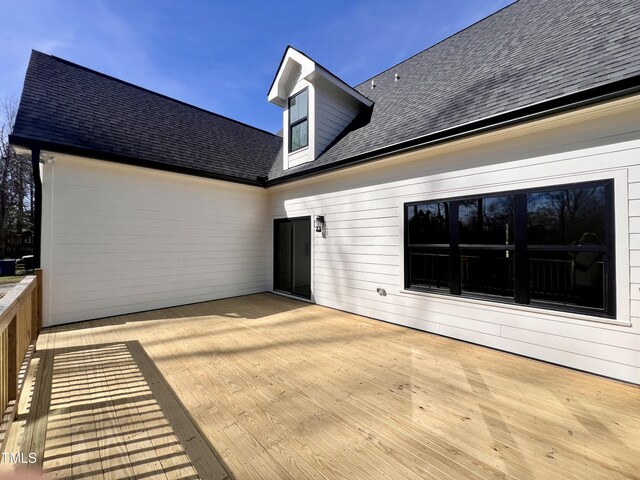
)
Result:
{"points": [[4, 361], [12, 360], [38, 311]]}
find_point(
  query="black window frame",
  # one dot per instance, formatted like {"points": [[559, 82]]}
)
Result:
{"points": [[520, 249], [298, 121]]}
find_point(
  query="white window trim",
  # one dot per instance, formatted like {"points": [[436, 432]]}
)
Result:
{"points": [[305, 154], [621, 211]]}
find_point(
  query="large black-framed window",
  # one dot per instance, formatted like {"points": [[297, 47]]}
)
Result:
{"points": [[551, 247], [298, 120]]}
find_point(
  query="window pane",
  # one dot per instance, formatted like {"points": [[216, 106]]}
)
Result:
{"points": [[429, 269], [302, 104], [487, 220], [574, 278], [299, 137], [487, 271], [304, 140], [428, 223], [293, 110], [295, 138], [568, 216], [298, 107]]}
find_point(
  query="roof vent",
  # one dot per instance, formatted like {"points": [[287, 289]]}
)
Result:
{"points": [[373, 84], [395, 79]]}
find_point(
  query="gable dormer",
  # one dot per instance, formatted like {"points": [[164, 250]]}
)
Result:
{"points": [[317, 107]]}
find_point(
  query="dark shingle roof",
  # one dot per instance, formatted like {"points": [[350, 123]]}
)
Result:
{"points": [[528, 52], [525, 54], [65, 104]]}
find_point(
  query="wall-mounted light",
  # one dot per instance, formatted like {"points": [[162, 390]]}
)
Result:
{"points": [[319, 223]]}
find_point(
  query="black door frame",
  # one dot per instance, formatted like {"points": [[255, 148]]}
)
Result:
{"points": [[275, 254]]}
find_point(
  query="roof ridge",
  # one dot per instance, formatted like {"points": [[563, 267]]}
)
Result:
{"points": [[138, 87], [437, 43]]}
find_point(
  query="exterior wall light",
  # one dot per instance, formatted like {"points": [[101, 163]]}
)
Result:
{"points": [[319, 223]]}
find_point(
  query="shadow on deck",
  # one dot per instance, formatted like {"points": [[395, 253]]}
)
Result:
{"points": [[104, 410]]}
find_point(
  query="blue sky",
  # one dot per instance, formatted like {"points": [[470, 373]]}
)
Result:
{"points": [[222, 55]]}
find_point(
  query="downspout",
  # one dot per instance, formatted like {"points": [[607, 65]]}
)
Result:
{"points": [[37, 221]]}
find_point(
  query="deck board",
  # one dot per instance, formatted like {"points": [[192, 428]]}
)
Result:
{"points": [[264, 386]]}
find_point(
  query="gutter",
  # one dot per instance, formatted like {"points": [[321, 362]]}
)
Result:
{"points": [[546, 108], [41, 145]]}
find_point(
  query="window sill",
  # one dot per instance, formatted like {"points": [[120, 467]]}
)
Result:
{"points": [[300, 150], [528, 310]]}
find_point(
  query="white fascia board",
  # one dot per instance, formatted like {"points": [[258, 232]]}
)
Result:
{"points": [[297, 63], [294, 63], [338, 83], [22, 150]]}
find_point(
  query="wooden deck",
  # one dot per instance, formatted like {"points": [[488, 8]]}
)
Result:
{"points": [[268, 387]]}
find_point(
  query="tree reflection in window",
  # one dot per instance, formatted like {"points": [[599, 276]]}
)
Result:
{"points": [[487, 220], [429, 223], [550, 247], [428, 228], [566, 232], [561, 217]]}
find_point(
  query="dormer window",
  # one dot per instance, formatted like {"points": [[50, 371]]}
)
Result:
{"points": [[311, 97], [298, 123]]}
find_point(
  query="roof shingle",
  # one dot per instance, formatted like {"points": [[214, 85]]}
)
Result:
{"points": [[65, 104], [527, 53]]}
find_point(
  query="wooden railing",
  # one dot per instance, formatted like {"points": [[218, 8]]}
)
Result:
{"points": [[20, 323]]}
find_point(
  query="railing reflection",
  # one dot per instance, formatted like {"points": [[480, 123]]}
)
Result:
{"points": [[492, 272]]}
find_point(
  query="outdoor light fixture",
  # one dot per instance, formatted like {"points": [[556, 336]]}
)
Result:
{"points": [[319, 223]]}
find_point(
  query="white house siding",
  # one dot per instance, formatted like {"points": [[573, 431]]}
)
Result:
{"points": [[120, 239], [363, 246], [332, 115]]}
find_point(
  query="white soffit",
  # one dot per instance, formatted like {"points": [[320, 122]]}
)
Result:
{"points": [[295, 63]]}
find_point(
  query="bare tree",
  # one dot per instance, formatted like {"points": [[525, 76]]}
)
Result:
{"points": [[16, 189]]}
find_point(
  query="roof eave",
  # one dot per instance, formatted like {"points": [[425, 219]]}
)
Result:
{"points": [[599, 94], [43, 145], [310, 70]]}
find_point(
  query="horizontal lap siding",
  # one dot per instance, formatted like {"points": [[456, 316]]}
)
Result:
{"points": [[126, 239], [332, 117], [362, 248]]}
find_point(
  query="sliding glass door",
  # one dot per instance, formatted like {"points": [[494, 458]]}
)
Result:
{"points": [[292, 256]]}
